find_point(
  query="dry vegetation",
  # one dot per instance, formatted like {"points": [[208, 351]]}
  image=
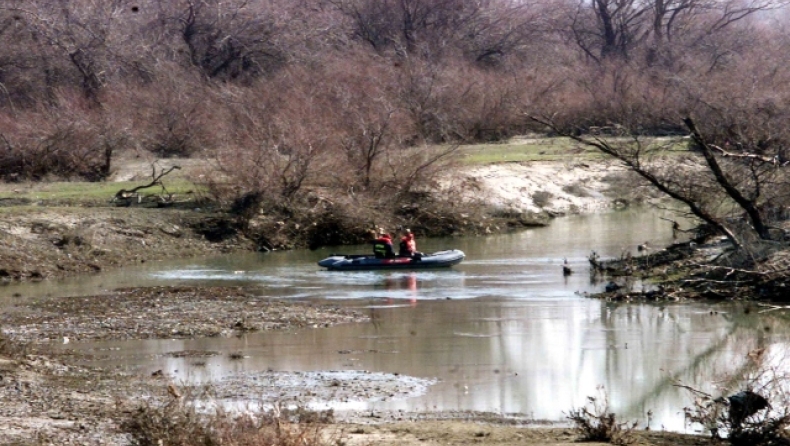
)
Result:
{"points": [[299, 92], [341, 114], [179, 423], [334, 115]]}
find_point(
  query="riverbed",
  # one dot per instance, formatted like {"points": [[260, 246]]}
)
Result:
{"points": [[505, 332]]}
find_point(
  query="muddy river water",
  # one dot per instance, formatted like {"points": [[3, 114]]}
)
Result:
{"points": [[505, 331]]}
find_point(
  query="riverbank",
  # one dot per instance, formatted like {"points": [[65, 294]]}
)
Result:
{"points": [[43, 237], [49, 398]]}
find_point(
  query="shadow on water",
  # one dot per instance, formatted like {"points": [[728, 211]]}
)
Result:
{"points": [[504, 331]]}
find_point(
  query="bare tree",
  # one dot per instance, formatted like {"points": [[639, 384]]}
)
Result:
{"points": [[484, 31], [276, 136], [617, 28], [709, 184], [83, 33]]}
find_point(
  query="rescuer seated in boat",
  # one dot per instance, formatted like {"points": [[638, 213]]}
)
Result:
{"points": [[382, 246], [408, 246]]}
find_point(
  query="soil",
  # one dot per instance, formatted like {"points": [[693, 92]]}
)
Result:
{"points": [[40, 239], [40, 242], [47, 398], [554, 187]]}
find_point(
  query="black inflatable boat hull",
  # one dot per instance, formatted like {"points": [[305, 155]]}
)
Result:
{"points": [[441, 259]]}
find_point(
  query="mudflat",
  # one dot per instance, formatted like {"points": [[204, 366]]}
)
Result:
{"points": [[47, 398]]}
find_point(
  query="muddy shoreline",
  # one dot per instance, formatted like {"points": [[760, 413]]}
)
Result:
{"points": [[165, 313], [49, 398], [41, 239]]}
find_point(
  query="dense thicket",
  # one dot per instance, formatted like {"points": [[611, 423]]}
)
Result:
{"points": [[349, 95]]}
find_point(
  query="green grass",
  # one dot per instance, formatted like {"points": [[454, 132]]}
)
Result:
{"points": [[515, 150], [89, 192], [539, 149], [545, 149]]}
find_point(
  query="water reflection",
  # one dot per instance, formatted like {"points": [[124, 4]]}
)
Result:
{"points": [[400, 282], [504, 331], [538, 357]]}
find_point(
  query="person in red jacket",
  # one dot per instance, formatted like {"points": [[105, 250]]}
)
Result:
{"points": [[408, 246], [382, 246]]}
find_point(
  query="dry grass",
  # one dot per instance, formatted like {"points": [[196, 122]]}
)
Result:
{"points": [[594, 422], [180, 423]]}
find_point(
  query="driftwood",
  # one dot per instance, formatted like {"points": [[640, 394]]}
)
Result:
{"points": [[768, 160], [628, 264], [771, 307], [125, 195]]}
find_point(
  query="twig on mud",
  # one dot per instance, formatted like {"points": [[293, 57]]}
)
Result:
{"points": [[771, 307], [693, 390], [730, 270], [723, 282]]}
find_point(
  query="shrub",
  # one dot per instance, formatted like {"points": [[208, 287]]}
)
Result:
{"points": [[61, 144], [759, 415], [180, 423], [594, 422]]}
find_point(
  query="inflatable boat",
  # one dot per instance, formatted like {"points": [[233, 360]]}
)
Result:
{"points": [[358, 262]]}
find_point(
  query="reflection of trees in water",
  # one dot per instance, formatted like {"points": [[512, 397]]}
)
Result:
{"points": [[724, 360]]}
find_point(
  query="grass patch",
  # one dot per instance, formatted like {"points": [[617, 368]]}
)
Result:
{"points": [[554, 149], [517, 150], [86, 192]]}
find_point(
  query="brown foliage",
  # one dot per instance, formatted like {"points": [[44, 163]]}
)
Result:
{"points": [[595, 422], [180, 423], [64, 143], [355, 95]]}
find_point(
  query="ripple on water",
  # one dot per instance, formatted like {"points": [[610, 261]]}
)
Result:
{"points": [[224, 275]]}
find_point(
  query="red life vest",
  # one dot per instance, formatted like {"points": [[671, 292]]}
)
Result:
{"points": [[407, 245], [382, 247]]}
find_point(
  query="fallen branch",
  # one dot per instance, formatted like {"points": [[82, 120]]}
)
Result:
{"points": [[730, 270], [694, 391], [124, 194], [765, 159], [723, 282], [771, 307]]}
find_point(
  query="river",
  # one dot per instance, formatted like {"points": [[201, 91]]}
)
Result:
{"points": [[505, 331]]}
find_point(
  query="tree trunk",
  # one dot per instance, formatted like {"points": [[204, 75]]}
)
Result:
{"points": [[749, 206]]}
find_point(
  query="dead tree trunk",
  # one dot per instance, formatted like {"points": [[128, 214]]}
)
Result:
{"points": [[748, 205], [633, 163]]}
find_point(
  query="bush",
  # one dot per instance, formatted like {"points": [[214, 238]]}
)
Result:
{"points": [[56, 144], [759, 415], [179, 423], [594, 422]]}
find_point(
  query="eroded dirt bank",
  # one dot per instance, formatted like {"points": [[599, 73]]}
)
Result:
{"points": [[46, 398], [40, 239], [39, 242]]}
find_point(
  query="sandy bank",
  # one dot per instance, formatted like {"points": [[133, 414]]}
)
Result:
{"points": [[552, 186]]}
